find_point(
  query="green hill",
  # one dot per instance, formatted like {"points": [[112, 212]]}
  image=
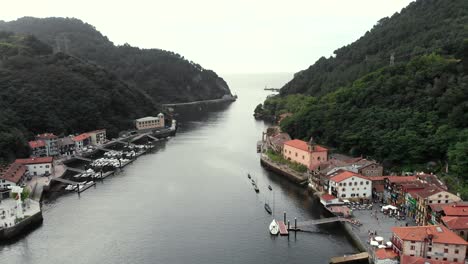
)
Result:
{"points": [[163, 75], [45, 92], [425, 26]]}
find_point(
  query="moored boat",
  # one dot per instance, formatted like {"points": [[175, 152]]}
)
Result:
{"points": [[248, 175], [267, 208], [274, 228], [269, 187], [256, 188]]}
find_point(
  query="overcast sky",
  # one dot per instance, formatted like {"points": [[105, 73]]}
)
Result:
{"points": [[235, 36]]}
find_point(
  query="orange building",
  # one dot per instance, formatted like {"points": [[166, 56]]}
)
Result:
{"points": [[308, 154]]}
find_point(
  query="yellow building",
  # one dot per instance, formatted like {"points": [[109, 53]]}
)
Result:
{"points": [[150, 122]]}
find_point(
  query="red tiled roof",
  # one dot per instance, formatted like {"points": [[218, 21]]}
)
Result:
{"points": [[401, 179], [46, 136], [419, 233], [429, 191], [96, 131], [343, 175], [14, 172], [36, 144], [438, 207], [35, 160], [456, 222], [327, 197], [81, 137], [456, 209], [405, 259], [385, 253], [302, 145]]}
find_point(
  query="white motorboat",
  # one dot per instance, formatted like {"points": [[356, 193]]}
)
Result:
{"points": [[274, 228]]}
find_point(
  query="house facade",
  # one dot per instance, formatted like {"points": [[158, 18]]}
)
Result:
{"points": [[308, 154], [430, 242], [38, 148], [66, 146], [150, 122], [428, 196], [51, 143], [97, 137], [81, 141], [38, 166], [350, 185]]}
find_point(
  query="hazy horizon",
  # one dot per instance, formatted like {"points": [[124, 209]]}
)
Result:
{"points": [[229, 37]]}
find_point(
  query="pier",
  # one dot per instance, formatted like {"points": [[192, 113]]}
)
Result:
{"points": [[355, 258], [282, 228]]}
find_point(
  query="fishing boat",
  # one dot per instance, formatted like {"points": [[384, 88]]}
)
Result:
{"points": [[248, 176], [269, 187], [274, 228], [253, 182], [267, 208], [256, 188]]}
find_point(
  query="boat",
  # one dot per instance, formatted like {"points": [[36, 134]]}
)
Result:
{"points": [[256, 188], [248, 175], [267, 208], [253, 182], [269, 187], [274, 228]]}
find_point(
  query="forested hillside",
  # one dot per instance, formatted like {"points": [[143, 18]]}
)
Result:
{"points": [[45, 92], [410, 114], [425, 26], [163, 75]]}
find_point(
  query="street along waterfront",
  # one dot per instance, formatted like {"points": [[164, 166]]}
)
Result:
{"points": [[188, 202]]}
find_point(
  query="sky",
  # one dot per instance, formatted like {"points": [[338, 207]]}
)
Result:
{"points": [[227, 36]]}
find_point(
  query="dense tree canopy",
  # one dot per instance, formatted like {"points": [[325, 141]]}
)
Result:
{"points": [[45, 92], [162, 75]]}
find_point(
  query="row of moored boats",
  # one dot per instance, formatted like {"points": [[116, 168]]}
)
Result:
{"points": [[273, 227]]}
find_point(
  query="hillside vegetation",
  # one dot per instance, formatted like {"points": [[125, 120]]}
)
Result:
{"points": [[45, 92], [163, 75]]}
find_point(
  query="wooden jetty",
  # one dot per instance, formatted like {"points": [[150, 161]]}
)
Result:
{"points": [[323, 221], [356, 258], [282, 228], [65, 181]]}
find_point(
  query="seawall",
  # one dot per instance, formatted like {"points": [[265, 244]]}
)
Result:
{"points": [[25, 225], [289, 174]]}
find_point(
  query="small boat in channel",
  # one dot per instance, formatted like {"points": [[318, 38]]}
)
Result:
{"points": [[248, 176], [269, 187], [274, 228], [267, 208], [256, 188]]}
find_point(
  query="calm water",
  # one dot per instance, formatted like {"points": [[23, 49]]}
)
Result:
{"points": [[189, 202]]}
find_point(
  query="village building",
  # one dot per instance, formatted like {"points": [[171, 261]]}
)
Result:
{"points": [[38, 166], [38, 148], [150, 122], [81, 141], [428, 196], [431, 242], [51, 144], [350, 185], [308, 154], [97, 137], [66, 146], [385, 256], [393, 193], [13, 175], [420, 260]]}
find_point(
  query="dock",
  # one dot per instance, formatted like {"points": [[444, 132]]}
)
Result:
{"points": [[356, 258], [283, 229]]}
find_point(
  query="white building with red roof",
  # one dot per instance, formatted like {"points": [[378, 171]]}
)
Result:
{"points": [[38, 166], [97, 137], [38, 148], [308, 154], [81, 140], [350, 185], [385, 256], [432, 242], [13, 175]]}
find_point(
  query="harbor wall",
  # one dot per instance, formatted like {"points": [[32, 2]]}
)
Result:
{"points": [[21, 227], [289, 175]]}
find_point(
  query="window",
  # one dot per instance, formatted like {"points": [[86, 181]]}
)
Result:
{"points": [[363, 195], [367, 182], [318, 158], [361, 183], [461, 232], [444, 259], [440, 195], [438, 202], [352, 189], [344, 184], [303, 157], [352, 195], [429, 249], [296, 154], [412, 242], [446, 201], [355, 183], [430, 201], [446, 196], [445, 250], [412, 247], [285, 151], [343, 195], [455, 260], [357, 189], [289, 152], [340, 184], [429, 257], [344, 189], [365, 188], [456, 251]]}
